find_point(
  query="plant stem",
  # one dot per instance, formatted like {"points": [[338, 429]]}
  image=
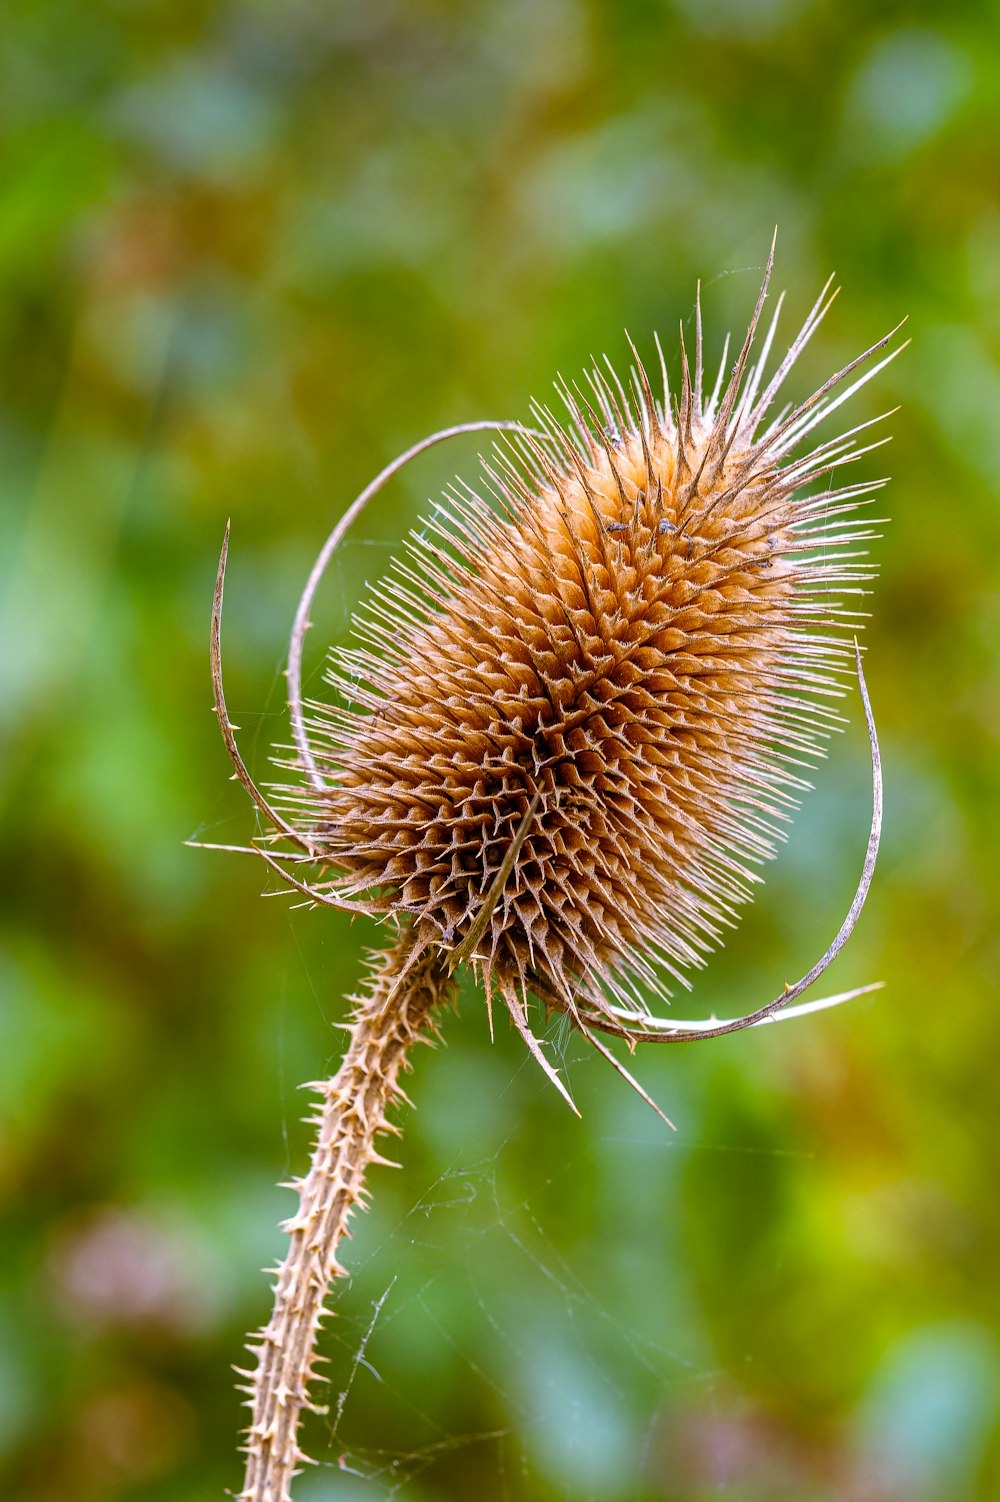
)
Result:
{"points": [[389, 1017]]}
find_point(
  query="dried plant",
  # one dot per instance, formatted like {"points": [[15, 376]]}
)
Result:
{"points": [[575, 722]]}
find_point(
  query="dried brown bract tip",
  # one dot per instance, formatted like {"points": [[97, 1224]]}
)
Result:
{"points": [[575, 721]]}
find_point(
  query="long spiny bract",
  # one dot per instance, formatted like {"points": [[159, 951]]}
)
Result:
{"points": [[639, 624]]}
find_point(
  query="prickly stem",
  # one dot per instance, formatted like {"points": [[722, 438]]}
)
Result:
{"points": [[389, 1018]]}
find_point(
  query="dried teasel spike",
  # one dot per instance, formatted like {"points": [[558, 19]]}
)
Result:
{"points": [[619, 1068], [722, 433], [570, 732], [317, 896], [699, 349], [713, 400], [664, 375], [646, 412], [685, 437]]}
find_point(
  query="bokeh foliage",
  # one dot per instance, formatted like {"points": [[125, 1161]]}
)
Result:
{"points": [[247, 253]]}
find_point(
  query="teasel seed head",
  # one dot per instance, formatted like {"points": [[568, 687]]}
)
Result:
{"points": [[580, 707]]}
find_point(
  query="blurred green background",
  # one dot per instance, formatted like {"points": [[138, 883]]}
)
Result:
{"points": [[247, 253]]}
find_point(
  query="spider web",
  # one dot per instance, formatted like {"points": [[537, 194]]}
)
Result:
{"points": [[521, 1323], [473, 1274]]}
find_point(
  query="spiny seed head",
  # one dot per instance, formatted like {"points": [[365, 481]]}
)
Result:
{"points": [[612, 659]]}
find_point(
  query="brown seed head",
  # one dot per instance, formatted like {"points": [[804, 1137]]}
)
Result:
{"points": [[579, 711], [609, 664]]}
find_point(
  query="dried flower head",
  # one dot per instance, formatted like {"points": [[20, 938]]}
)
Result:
{"points": [[632, 633], [579, 711]]}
